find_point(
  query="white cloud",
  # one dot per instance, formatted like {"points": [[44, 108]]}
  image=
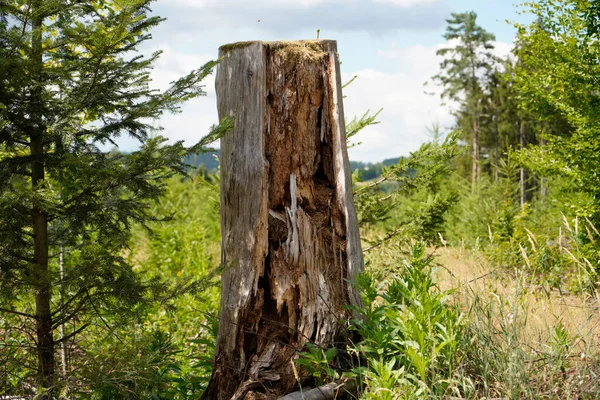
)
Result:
{"points": [[173, 64], [407, 3], [198, 115], [283, 17], [407, 115], [503, 49], [234, 3], [408, 112]]}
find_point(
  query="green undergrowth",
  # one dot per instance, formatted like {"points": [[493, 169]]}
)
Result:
{"points": [[412, 335], [165, 352], [419, 341]]}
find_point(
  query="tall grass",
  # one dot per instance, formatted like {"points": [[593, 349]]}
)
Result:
{"points": [[524, 341], [454, 326]]}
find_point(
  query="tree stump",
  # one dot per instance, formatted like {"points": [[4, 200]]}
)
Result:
{"points": [[290, 240]]}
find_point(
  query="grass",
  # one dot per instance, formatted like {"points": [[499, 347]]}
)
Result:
{"points": [[542, 309], [527, 341], [521, 339]]}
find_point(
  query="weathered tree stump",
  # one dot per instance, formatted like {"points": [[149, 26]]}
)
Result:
{"points": [[290, 240]]}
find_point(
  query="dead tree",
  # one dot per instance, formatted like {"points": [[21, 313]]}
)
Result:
{"points": [[290, 240]]}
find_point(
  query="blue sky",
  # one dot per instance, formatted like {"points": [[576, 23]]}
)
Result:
{"points": [[389, 44]]}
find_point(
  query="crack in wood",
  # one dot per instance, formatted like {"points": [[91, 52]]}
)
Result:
{"points": [[287, 217]]}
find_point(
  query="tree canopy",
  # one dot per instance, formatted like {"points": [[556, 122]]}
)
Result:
{"points": [[72, 81]]}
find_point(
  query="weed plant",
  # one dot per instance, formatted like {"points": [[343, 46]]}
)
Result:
{"points": [[412, 335]]}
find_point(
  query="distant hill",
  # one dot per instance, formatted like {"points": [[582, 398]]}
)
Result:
{"points": [[390, 161], [368, 170], [208, 160]]}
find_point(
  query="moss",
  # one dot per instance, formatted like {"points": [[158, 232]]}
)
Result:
{"points": [[237, 45], [300, 49], [296, 49]]}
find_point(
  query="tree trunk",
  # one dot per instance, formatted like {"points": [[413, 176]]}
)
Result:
{"points": [[496, 149], [475, 169], [45, 340], [290, 241], [61, 268], [522, 177], [543, 181]]}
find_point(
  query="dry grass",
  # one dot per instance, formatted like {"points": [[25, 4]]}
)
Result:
{"points": [[551, 338], [538, 310]]}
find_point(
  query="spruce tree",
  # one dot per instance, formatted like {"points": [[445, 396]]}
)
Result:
{"points": [[71, 82], [464, 70]]}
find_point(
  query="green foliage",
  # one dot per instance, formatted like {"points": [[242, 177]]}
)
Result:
{"points": [[357, 124], [490, 211], [561, 344], [412, 336], [318, 363], [148, 373], [71, 81], [185, 243], [501, 363], [558, 66], [495, 355], [149, 365], [558, 250], [465, 72], [163, 348], [417, 204], [369, 171], [470, 59], [184, 251]]}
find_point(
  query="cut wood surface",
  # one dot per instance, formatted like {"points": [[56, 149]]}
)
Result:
{"points": [[290, 241]]}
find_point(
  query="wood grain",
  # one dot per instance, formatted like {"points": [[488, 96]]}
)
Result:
{"points": [[290, 240]]}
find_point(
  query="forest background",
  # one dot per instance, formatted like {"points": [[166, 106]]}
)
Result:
{"points": [[481, 247]]}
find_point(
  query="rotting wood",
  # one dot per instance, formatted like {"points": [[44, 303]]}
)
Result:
{"points": [[290, 239]]}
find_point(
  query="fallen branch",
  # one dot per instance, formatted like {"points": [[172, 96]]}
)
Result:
{"points": [[324, 392], [328, 391]]}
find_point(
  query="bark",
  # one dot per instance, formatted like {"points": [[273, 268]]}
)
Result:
{"points": [[45, 340], [475, 169], [328, 391], [325, 392], [543, 182], [496, 149], [290, 241], [61, 266], [522, 177]]}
